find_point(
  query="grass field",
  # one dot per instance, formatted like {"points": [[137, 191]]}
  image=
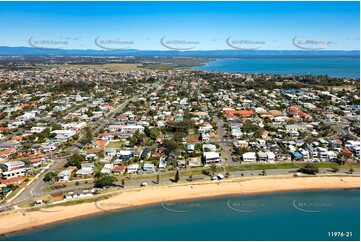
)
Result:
{"points": [[115, 144]]}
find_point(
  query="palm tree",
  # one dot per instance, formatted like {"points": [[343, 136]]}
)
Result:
{"points": [[176, 178], [213, 168]]}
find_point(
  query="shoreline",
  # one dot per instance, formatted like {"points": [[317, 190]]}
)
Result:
{"points": [[18, 221]]}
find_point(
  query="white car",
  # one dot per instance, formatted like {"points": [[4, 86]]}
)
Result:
{"points": [[143, 184], [220, 176]]}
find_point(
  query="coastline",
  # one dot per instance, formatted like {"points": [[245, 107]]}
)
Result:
{"points": [[15, 221]]}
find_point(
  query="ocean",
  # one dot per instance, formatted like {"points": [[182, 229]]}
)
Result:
{"points": [[348, 67], [298, 215]]}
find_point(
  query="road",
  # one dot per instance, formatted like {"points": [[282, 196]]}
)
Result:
{"points": [[224, 141]]}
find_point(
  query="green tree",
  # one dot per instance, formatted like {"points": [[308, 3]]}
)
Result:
{"points": [[335, 167], [309, 169], [88, 135], [153, 133], [176, 177], [158, 179], [56, 127], [105, 180], [213, 168], [50, 176], [171, 146], [75, 160]]}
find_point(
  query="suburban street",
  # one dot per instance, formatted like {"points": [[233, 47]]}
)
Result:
{"points": [[224, 141]]}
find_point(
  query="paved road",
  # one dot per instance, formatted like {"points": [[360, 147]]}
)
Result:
{"points": [[224, 141]]}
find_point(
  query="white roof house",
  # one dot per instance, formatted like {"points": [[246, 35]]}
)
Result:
{"points": [[133, 168], [209, 147], [211, 157], [107, 168], [249, 157], [271, 156], [64, 175]]}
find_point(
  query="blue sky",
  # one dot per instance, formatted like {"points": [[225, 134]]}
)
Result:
{"points": [[203, 25]]}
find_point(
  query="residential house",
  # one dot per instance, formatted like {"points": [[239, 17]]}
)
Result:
{"points": [[211, 157], [249, 157]]}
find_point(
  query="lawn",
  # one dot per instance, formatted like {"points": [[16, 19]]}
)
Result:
{"points": [[115, 144]]}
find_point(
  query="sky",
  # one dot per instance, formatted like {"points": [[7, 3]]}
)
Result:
{"points": [[181, 25]]}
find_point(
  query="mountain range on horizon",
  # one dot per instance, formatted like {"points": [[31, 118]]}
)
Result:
{"points": [[25, 51]]}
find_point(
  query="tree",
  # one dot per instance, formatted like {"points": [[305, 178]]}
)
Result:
{"points": [[88, 135], [105, 181], [158, 179], [123, 183], [50, 176], [171, 146], [153, 133], [264, 173], [335, 167], [351, 170], [342, 158], [75, 160], [213, 168], [309, 169], [190, 178], [176, 178], [56, 127]]}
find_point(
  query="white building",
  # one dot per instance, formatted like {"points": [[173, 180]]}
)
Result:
{"points": [[211, 157], [26, 116], [13, 173], [37, 129], [132, 168], [64, 175], [249, 157], [322, 153]]}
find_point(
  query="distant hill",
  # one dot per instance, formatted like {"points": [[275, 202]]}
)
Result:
{"points": [[26, 51]]}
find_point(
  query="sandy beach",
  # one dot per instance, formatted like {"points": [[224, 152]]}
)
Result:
{"points": [[17, 220]]}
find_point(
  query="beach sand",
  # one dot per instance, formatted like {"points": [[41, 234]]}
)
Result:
{"points": [[17, 220]]}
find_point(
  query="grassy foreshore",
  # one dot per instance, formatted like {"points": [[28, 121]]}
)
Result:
{"points": [[19, 220]]}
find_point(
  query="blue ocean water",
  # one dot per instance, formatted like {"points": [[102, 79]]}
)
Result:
{"points": [[302, 215], [332, 66]]}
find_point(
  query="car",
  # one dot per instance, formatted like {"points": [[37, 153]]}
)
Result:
{"points": [[220, 176], [143, 184]]}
